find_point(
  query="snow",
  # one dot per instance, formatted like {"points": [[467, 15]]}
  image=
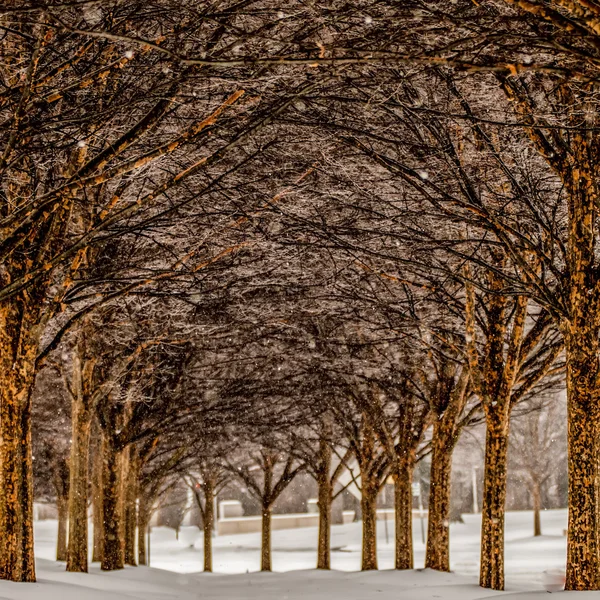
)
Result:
{"points": [[294, 554]]}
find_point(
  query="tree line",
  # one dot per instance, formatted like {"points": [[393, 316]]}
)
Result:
{"points": [[223, 221]]}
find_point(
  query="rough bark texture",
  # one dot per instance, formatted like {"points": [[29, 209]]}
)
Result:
{"points": [[77, 557], [368, 504], [582, 540], [403, 515], [438, 523], [492, 511], [17, 366], [113, 546], [265, 550]]}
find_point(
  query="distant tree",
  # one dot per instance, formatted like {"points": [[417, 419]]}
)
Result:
{"points": [[537, 445]]}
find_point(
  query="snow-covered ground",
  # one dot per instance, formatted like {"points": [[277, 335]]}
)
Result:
{"points": [[294, 555]]}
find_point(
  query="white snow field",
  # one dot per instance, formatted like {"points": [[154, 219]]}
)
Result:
{"points": [[175, 565]]}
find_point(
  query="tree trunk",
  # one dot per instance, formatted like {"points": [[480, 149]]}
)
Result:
{"points": [[437, 555], [583, 374], [324, 503], [17, 368], [491, 573], [97, 504], [113, 545], [131, 495], [27, 553], [209, 523], [142, 531], [368, 504], [265, 549], [536, 494], [62, 504], [77, 555], [403, 515]]}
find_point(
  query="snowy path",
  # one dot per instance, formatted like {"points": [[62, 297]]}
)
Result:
{"points": [[294, 555]]}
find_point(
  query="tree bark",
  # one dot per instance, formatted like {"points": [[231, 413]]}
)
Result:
{"points": [[583, 374], [324, 504], [27, 552], [62, 504], [131, 495], [113, 545], [97, 505], [208, 523], [491, 573], [17, 368], [265, 548], [368, 504], [81, 418], [437, 554], [403, 515]]}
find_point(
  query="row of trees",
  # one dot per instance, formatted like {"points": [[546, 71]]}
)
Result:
{"points": [[238, 213]]}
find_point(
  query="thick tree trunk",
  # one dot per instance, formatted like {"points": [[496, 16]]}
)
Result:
{"points": [[208, 523], [491, 573], [324, 503], [97, 505], [131, 495], [113, 545], [17, 369], [62, 504], [27, 553], [368, 503], [582, 541], [81, 418], [265, 548], [437, 555]]}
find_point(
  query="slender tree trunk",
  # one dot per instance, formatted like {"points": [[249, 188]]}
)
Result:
{"points": [[368, 504], [97, 504], [62, 504], [583, 374], [131, 495], [17, 368], [77, 555], [209, 523], [113, 546], [142, 531], [265, 548], [437, 555], [324, 503], [403, 515], [536, 494], [492, 511]]}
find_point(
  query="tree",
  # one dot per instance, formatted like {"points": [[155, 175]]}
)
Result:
{"points": [[266, 473], [537, 445], [208, 480]]}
